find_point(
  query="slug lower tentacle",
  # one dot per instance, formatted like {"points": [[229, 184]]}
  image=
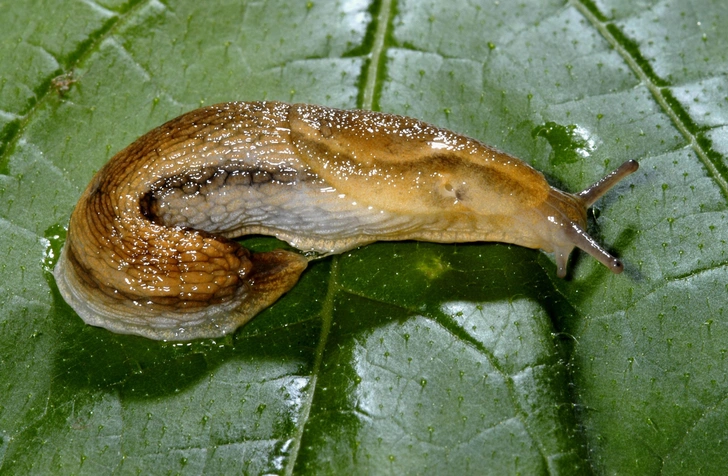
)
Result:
{"points": [[148, 249]]}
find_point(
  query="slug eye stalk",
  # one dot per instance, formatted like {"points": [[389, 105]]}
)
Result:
{"points": [[590, 196], [575, 232], [598, 189]]}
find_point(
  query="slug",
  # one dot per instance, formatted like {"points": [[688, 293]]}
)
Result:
{"points": [[148, 249]]}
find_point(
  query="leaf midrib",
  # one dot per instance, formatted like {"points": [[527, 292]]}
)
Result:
{"points": [[369, 90]]}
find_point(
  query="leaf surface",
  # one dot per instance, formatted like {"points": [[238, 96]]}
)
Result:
{"points": [[396, 357]]}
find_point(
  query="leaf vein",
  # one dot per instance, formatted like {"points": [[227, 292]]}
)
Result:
{"points": [[657, 91]]}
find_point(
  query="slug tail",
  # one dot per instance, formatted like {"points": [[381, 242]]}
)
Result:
{"points": [[593, 193], [273, 274]]}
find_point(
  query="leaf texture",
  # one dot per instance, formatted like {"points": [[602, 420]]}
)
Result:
{"points": [[405, 358]]}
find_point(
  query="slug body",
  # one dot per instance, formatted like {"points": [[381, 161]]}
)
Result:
{"points": [[148, 249]]}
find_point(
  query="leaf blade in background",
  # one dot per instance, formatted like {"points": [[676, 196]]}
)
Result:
{"points": [[398, 357]]}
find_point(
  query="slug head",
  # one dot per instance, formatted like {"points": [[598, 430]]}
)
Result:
{"points": [[566, 214], [450, 188]]}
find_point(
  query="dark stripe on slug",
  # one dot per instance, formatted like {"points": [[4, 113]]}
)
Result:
{"points": [[484, 175], [148, 206], [212, 179]]}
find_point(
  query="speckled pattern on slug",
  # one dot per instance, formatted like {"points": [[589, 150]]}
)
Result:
{"points": [[148, 252]]}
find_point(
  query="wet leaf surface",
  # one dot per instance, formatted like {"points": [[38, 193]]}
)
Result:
{"points": [[397, 357]]}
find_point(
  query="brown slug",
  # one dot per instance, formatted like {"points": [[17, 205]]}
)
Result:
{"points": [[149, 251]]}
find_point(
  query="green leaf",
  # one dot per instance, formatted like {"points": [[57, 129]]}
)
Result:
{"points": [[397, 357]]}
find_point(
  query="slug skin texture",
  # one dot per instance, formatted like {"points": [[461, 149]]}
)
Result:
{"points": [[148, 250]]}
